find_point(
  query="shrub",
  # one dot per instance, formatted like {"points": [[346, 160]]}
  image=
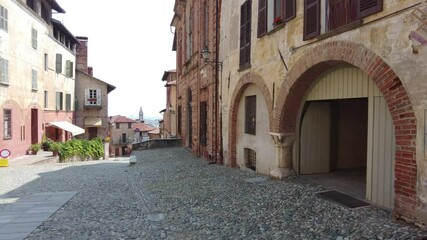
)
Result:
{"points": [[84, 149], [35, 148]]}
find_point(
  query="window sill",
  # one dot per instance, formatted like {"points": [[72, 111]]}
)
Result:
{"points": [[243, 68], [276, 28], [4, 84], [34, 89], [342, 29], [7, 138]]}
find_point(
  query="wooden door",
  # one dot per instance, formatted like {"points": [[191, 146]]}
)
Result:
{"points": [[315, 138]]}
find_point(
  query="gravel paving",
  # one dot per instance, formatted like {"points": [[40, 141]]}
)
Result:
{"points": [[170, 194]]}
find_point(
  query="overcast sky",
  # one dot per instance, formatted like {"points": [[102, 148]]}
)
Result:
{"points": [[130, 47]]}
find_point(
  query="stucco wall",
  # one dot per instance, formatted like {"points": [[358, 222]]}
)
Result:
{"points": [[84, 82], [16, 47], [261, 143]]}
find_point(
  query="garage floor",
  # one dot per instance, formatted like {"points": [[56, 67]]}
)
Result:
{"points": [[351, 182]]}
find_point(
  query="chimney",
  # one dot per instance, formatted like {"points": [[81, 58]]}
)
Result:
{"points": [[81, 56], [90, 71]]}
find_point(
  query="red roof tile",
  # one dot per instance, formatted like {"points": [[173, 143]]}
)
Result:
{"points": [[142, 127], [121, 119]]}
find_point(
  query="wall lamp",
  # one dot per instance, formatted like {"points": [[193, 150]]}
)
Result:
{"points": [[206, 55]]}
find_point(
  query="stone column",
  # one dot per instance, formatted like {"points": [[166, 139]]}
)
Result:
{"points": [[284, 142]]}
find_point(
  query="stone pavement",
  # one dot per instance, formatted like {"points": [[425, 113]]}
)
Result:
{"points": [[22, 217], [170, 194]]}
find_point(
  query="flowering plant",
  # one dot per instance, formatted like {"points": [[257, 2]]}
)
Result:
{"points": [[277, 21]]}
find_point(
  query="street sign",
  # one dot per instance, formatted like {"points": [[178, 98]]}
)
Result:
{"points": [[4, 154]]}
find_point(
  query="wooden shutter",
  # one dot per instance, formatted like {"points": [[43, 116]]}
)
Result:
{"points": [[368, 7], [87, 96], [34, 79], [98, 97], [58, 68], [203, 123], [67, 68], [311, 19], [58, 101], [262, 17], [245, 33], [289, 10]]}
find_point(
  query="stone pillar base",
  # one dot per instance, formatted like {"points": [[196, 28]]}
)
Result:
{"points": [[281, 173]]}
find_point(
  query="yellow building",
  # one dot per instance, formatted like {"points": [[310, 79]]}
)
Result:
{"points": [[313, 87]]}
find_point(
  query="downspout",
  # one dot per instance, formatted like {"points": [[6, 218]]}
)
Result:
{"points": [[218, 150]]}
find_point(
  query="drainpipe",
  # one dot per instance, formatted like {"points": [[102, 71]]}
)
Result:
{"points": [[217, 154]]}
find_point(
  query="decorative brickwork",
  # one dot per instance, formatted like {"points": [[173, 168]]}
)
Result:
{"points": [[321, 58], [242, 84]]}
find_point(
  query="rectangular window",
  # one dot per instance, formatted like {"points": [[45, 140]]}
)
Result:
{"points": [[34, 38], [59, 101], [93, 97], [3, 18], [7, 124], [4, 71], [273, 13], [203, 123], [250, 158], [129, 125], [46, 99], [67, 102], [117, 125], [322, 16], [190, 34], [46, 62], [250, 115], [69, 68], [206, 25], [179, 120], [124, 138], [58, 68], [245, 34], [34, 79]]}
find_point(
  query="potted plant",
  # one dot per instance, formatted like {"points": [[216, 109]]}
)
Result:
{"points": [[277, 21], [54, 147], [35, 148]]}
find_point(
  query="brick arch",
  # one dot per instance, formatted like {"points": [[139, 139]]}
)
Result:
{"points": [[246, 80], [325, 56]]}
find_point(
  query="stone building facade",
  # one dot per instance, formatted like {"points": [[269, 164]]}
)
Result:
{"points": [[91, 101], [37, 78], [312, 87], [198, 82], [122, 132], [169, 125]]}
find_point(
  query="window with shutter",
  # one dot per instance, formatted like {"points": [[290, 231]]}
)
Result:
{"points": [[245, 34], [250, 115], [7, 123], [58, 68], [4, 71], [368, 7], [34, 79], [311, 19], [58, 101], [3, 18], [98, 97], [34, 38], [290, 10], [46, 99], [68, 102], [262, 17], [203, 123]]}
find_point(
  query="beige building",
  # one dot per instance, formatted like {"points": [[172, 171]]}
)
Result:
{"points": [[169, 125], [37, 75], [91, 97], [122, 132], [313, 87]]}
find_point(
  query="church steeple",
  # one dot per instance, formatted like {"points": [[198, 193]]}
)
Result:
{"points": [[141, 115]]}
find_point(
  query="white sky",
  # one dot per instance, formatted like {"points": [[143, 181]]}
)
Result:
{"points": [[129, 46]]}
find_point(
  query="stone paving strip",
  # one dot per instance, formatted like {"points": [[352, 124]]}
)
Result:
{"points": [[20, 218], [170, 194]]}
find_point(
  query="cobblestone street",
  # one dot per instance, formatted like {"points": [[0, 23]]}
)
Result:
{"points": [[170, 194]]}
